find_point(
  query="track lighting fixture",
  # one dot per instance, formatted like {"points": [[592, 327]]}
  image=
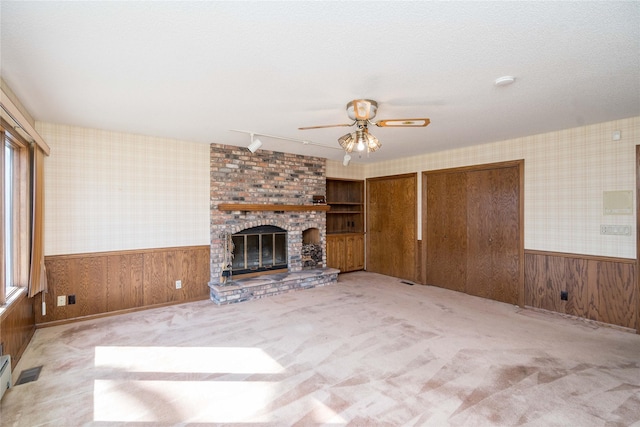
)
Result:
{"points": [[255, 144], [348, 142]]}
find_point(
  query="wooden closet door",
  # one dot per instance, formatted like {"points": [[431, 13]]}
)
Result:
{"points": [[392, 225], [472, 222], [493, 226], [446, 230]]}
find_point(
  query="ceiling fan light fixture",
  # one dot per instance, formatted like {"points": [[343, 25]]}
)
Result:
{"points": [[361, 111], [372, 144], [347, 142], [363, 139]]}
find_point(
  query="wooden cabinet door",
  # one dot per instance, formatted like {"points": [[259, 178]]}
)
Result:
{"points": [[354, 248], [446, 230], [493, 234], [336, 252]]}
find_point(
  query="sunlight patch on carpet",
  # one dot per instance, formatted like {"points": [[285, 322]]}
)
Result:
{"points": [[227, 360]]}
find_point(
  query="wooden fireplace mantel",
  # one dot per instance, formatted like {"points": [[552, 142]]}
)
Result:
{"points": [[257, 207]]}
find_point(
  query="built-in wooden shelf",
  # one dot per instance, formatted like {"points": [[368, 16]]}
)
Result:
{"points": [[249, 207], [346, 198]]}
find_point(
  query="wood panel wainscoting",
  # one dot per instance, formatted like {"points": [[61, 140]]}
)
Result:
{"points": [[114, 282], [598, 288], [17, 326]]}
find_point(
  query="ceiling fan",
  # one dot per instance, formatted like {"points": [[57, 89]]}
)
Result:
{"points": [[362, 111]]}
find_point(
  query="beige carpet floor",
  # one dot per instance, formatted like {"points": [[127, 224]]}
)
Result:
{"points": [[368, 350]]}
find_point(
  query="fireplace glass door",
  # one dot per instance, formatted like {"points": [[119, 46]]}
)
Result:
{"points": [[259, 249]]}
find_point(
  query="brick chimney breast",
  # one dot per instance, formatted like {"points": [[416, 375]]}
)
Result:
{"points": [[264, 177]]}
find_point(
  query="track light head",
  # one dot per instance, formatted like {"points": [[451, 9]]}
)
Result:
{"points": [[255, 144]]}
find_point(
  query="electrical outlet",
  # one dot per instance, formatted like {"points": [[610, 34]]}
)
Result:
{"points": [[564, 295], [178, 284], [62, 300], [71, 299]]}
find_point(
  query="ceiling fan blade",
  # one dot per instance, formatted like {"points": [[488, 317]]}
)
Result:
{"points": [[403, 123], [325, 126]]}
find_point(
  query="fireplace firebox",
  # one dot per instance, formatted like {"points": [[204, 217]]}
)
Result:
{"points": [[259, 249]]}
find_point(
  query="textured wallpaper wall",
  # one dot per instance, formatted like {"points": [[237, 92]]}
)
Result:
{"points": [[353, 171], [566, 173], [109, 191], [114, 191]]}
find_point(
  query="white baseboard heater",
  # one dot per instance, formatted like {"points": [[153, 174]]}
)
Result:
{"points": [[5, 374]]}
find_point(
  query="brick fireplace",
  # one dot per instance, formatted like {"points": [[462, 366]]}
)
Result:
{"points": [[277, 190]]}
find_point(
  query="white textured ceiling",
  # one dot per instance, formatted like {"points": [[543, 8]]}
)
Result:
{"points": [[195, 70]]}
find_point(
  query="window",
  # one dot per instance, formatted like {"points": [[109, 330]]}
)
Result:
{"points": [[15, 212], [8, 217]]}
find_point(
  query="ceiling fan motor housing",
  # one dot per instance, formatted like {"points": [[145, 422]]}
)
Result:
{"points": [[362, 109]]}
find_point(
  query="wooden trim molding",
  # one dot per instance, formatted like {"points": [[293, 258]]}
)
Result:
{"points": [[125, 252], [580, 256], [246, 207], [390, 177], [483, 166]]}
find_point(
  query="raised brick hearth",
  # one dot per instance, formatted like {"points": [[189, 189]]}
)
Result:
{"points": [[270, 178], [272, 284]]}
